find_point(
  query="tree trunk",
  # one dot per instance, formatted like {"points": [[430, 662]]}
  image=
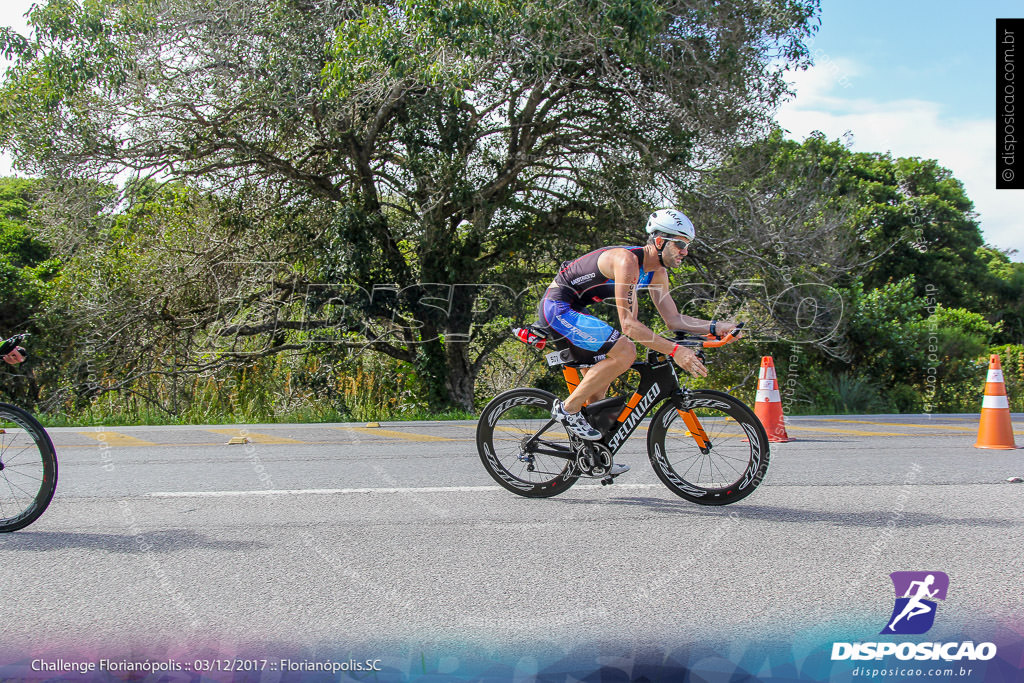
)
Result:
{"points": [[431, 366], [461, 375], [447, 373]]}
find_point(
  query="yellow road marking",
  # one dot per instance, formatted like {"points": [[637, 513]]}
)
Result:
{"points": [[965, 430], [408, 436], [898, 424], [514, 430], [255, 437], [833, 430], [521, 430], [116, 438]]}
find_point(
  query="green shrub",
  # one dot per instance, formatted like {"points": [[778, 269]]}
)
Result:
{"points": [[905, 398], [847, 394]]}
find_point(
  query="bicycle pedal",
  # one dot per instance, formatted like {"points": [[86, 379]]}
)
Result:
{"points": [[608, 480]]}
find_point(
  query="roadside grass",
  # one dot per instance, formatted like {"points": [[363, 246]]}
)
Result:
{"points": [[375, 390], [305, 415]]}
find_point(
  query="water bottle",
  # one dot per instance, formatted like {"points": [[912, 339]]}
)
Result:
{"points": [[528, 336]]}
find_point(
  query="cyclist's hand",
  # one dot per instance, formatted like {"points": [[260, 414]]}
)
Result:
{"points": [[14, 357], [724, 327], [687, 360]]}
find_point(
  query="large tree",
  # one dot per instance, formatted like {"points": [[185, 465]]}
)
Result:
{"points": [[775, 239], [409, 146], [913, 218], [796, 222]]}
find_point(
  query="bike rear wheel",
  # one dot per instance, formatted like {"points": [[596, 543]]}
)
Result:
{"points": [[733, 461], [516, 440], [28, 468]]}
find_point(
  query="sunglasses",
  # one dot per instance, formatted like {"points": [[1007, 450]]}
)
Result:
{"points": [[683, 244]]}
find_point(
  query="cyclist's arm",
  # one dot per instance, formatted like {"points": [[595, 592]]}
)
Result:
{"points": [[626, 275], [661, 295]]}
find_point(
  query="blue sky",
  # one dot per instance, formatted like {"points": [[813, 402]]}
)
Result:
{"points": [[913, 78], [939, 51]]}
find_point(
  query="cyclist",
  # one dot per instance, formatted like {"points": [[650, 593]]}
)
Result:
{"points": [[617, 273]]}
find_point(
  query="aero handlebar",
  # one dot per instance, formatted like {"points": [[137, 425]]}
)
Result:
{"points": [[709, 341]]}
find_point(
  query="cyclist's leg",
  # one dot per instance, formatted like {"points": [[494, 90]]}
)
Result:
{"points": [[589, 337], [601, 375]]}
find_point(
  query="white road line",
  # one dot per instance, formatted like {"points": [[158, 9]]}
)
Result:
{"points": [[322, 492]]}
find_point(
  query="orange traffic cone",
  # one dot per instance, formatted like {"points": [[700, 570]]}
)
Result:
{"points": [[995, 429], [768, 405]]}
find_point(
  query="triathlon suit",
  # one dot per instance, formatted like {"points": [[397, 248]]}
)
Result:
{"points": [[563, 309]]}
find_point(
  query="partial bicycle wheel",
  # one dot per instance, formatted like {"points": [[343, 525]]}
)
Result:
{"points": [[714, 452], [28, 468], [522, 448]]}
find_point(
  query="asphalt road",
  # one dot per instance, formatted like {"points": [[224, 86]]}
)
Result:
{"points": [[310, 536]]}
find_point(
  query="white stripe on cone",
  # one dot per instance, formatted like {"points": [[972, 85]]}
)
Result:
{"points": [[995, 402], [768, 373], [766, 385], [768, 396], [995, 376]]}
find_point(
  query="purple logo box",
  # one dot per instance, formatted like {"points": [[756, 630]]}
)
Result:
{"points": [[939, 584]]}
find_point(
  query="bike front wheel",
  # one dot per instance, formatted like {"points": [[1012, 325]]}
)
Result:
{"points": [[522, 448], [712, 450], [28, 468]]}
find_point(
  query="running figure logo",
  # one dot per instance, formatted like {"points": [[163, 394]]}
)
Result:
{"points": [[916, 593]]}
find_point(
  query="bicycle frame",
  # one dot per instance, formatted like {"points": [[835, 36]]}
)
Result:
{"points": [[533, 463], [658, 382]]}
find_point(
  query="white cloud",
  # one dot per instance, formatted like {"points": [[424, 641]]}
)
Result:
{"points": [[909, 128]]}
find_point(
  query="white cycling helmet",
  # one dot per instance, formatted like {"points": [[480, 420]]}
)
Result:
{"points": [[670, 222]]}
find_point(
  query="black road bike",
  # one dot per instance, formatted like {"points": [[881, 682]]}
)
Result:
{"points": [[706, 446], [28, 463]]}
